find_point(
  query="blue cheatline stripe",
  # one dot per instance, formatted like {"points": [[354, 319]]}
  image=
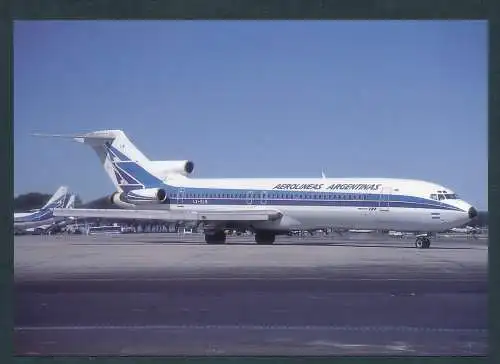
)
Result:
{"points": [[324, 203], [236, 197], [300, 198]]}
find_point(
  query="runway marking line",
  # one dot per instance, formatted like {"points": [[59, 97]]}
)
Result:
{"points": [[249, 327], [181, 279]]}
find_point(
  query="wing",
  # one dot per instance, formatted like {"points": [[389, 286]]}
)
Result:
{"points": [[166, 215]]}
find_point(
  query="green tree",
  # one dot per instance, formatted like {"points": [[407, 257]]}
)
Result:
{"points": [[30, 201]]}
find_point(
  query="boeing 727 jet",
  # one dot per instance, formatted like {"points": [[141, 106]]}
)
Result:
{"points": [[162, 190]]}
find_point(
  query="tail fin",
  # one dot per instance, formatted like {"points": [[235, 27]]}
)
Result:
{"points": [[57, 200], [71, 202], [123, 162]]}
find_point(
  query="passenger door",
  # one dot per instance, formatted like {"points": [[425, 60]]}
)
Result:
{"points": [[385, 199], [263, 197], [249, 198], [180, 197]]}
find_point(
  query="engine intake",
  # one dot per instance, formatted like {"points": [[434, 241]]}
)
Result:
{"points": [[161, 195]]}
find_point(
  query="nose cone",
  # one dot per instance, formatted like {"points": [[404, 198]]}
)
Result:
{"points": [[472, 212]]}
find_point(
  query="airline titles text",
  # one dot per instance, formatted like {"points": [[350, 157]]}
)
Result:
{"points": [[336, 186]]}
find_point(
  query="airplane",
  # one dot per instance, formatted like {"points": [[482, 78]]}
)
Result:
{"points": [[43, 218], [58, 223], [163, 190]]}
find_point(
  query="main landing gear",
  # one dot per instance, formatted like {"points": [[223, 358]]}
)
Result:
{"points": [[422, 242], [215, 237], [264, 237], [219, 237]]}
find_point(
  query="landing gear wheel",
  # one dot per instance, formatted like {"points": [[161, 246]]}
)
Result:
{"points": [[422, 242], [427, 243], [265, 238], [218, 237]]}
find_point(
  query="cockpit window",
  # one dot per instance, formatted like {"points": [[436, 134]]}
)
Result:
{"points": [[444, 196]]}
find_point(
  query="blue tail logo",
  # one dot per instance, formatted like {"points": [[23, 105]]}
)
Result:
{"points": [[128, 173]]}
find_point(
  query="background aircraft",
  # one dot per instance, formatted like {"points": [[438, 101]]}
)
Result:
{"points": [[43, 219]]}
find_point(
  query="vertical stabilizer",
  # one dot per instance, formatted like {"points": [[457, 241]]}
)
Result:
{"points": [[123, 162], [58, 199], [71, 202], [125, 165]]}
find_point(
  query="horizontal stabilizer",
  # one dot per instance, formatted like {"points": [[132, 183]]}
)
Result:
{"points": [[240, 215], [99, 137]]}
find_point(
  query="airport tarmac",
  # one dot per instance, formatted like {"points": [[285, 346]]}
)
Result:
{"points": [[165, 294]]}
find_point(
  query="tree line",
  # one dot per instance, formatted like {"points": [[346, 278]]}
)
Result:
{"points": [[36, 200]]}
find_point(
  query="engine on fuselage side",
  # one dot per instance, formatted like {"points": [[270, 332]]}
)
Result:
{"points": [[145, 196]]}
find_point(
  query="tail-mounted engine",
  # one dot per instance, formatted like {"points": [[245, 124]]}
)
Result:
{"points": [[165, 168], [140, 197]]}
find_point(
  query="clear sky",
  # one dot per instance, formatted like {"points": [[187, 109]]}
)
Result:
{"points": [[404, 99]]}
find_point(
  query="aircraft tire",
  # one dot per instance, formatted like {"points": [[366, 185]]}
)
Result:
{"points": [[419, 243], [422, 243], [427, 243], [218, 237]]}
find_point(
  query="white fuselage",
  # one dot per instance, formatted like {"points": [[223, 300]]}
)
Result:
{"points": [[42, 219], [283, 204], [33, 220], [351, 203]]}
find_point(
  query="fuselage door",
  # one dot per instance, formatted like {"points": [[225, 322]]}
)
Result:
{"points": [[263, 197], [385, 199], [249, 198], [180, 197]]}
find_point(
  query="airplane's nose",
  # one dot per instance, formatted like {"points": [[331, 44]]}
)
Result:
{"points": [[472, 212]]}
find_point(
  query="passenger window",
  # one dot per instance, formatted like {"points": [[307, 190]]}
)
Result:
{"points": [[434, 196]]}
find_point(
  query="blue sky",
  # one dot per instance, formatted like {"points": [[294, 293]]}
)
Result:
{"points": [[401, 99]]}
